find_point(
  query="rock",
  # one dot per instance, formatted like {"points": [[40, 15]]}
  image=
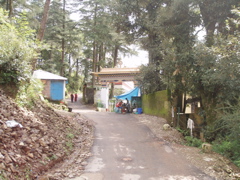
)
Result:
{"points": [[43, 178], [13, 123], [2, 166], [228, 169], [206, 147], [236, 175], [166, 127], [30, 155], [1, 156], [84, 163]]}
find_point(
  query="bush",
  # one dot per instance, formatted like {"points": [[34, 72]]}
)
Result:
{"points": [[229, 149], [184, 132], [18, 48], [227, 128], [149, 79], [18, 52], [28, 92], [192, 141]]}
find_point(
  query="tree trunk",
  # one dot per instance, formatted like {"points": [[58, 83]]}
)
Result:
{"points": [[112, 91], [63, 40], [100, 57], [94, 45], [115, 55], [77, 67], [70, 67], [10, 8], [42, 28], [43, 23], [94, 56]]}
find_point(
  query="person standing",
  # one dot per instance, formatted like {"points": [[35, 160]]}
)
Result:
{"points": [[76, 97], [72, 97], [127, 105]]}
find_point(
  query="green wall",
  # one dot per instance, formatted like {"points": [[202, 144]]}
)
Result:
{"points": [[157, 104]]}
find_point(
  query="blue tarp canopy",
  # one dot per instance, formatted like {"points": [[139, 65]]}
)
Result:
{"points": [[133, 93]]}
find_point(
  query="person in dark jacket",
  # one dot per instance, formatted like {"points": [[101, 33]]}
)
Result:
{"points": [[127, 105], [72, 97]]}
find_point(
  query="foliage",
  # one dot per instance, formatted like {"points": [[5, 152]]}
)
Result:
{"points": [[74, 83], [28, 92], [229, 149], [70, 135], [70, 138], [102, 25], [100, 104], [215, 15], [118, 91], [192, 141], [225, 132], [2, 176], [183, 132], [64, 38], [19, 50], [210, 73], [150, 79]]}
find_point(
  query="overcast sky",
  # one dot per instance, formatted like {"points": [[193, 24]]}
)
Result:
{"points": [[135, 61]]}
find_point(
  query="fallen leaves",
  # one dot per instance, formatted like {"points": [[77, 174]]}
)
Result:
{"points": [[32, 142]]}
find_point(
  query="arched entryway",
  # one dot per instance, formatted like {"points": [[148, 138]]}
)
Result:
{"points": [[112, 75]]}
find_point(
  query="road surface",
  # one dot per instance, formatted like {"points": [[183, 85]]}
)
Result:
{"points": [[125, 149]]}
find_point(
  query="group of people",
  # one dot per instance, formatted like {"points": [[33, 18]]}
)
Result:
{"points": [[123, 107], [74, 97]]}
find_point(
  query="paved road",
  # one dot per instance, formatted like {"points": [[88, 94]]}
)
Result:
{"points": [[125, 149]]}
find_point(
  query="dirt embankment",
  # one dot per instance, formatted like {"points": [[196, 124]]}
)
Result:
{"points": [[32, 142]]}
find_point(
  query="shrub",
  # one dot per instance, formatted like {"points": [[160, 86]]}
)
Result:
{"points": [[229, 149], [18, 48], [18, 52], [227, 128], [28, 92], [192, 141], [184, 132]]}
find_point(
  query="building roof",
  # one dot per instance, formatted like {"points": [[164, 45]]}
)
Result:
{"points": [[113, 75], [115, 71], [40, 74]]}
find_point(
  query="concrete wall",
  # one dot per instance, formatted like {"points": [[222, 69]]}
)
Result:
{"points": [[157, 104], [47, 88], [104, 97]]}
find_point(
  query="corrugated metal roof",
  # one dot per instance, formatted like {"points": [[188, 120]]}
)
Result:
{"points": [[40, 74]]}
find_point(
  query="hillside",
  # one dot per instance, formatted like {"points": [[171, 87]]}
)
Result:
{"points": [[42, 138]]}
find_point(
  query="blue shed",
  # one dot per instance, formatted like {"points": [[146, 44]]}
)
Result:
{"points": [[54, 85]]}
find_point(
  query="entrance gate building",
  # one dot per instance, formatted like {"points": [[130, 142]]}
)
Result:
{"points": [[112, 75]]}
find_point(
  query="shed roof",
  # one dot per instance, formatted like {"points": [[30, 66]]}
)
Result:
{"points": [[40, 74]]}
